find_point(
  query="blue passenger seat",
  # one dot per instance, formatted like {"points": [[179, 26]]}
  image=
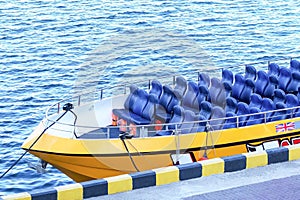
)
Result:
{"points": [[180, 85], [291, 101], [295, 66], [217, 118], [228, 89], [261, 82], [188, 122], [272, 84], [176, 120], [227, 76], [268, 105], [255, 100], [231, 105], [250, 72], [190, 96], [294, 83], [205, 109], [231, 121], [201, 125], [284, 78], [280, 113], [247, 91], [203, 95], [204, 79], [279, 96], [238, 86], [156, 88], [166, 103], [255, 117], [217, 92], [243, 112], [273, 69]]}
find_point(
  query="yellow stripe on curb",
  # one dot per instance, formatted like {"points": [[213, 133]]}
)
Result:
{"points": [[212, 166], [73, 191], [119, 183], [166, 175], [294, 152], [19, 196], [256, 159]]}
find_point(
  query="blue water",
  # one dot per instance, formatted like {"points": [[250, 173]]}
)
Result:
{"points": [[49, 49]]}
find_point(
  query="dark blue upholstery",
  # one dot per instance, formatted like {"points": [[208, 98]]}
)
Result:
{"points": [[295, 65], [206, 109], [247, 91], [291, 101], [176, 119], [180, 85], [273, 69], [238, 86], [163, 112], [255, 100], [149, 111], [256, 117], [140, 103], [156, 88], [204, 79], [176, 97], [280, 114], [217, 92], [188, 123], [227, 76], [269, 90], [217, 118], [190, 96], [294, 83], [231, 105], [261, 82], [230, 122], [284, 78], [267, 105], [250, 72], [131, 97], [242, 110], [279, 96], [228, 88], [128, 104], [201, 126], [202, 96]]}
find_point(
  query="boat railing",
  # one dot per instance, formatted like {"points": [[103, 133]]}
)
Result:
{"points": [[123, 89], [151, 130]]}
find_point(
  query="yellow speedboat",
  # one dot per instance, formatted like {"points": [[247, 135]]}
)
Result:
{"points": [[171, 124]]}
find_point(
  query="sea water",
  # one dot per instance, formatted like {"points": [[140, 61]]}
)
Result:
{"points": [[46, 46]]}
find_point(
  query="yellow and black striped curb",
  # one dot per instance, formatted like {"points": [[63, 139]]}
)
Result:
{"points": [[162, 176]]}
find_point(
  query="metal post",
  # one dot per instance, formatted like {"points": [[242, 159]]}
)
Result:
{"points": [[58, 107], [78, 103]]}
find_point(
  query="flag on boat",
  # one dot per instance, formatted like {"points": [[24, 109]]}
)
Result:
{"points": [[288, 126]]}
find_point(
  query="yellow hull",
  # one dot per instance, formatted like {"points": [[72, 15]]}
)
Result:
{"points": [[86, 159]]}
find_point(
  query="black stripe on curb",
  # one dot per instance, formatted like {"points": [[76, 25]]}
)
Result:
{"points": [[94, 188], [278, 155], [49, 194], [189, 171], [143, 179], [234, 163]]}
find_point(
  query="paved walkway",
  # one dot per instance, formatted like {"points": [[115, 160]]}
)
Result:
{"points": [[276, 181]]}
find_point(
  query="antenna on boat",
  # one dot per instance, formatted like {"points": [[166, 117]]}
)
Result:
{"points": [[67, 107]]}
